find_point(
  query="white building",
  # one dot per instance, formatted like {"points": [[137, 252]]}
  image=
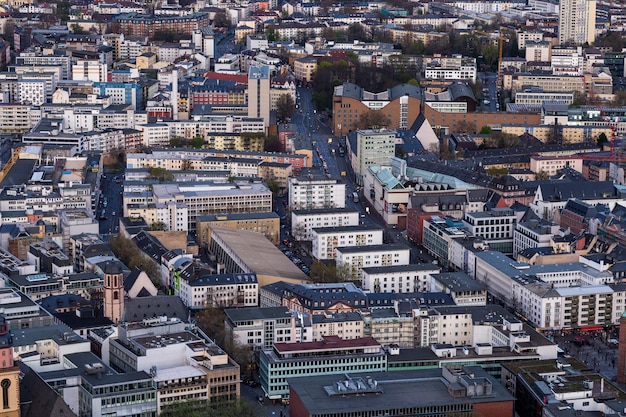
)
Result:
{"points": [[494, 226], [262, 327], [373, 148], [306, 193], [304, 221], [325, 240], [32, 92], [155, 134], [398, 278], [355, 258], [219, 291], [577, 21], [90, 70], [462, 68], [533, 234]]}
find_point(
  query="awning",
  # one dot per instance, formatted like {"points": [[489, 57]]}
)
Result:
{"points": [[591, 328]]}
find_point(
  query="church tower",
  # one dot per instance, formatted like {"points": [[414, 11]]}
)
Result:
{"points": [[113, 292], [9, 375]]}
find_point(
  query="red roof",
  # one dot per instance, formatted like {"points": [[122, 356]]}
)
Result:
{"points": [[329, 343], [238, 78]]}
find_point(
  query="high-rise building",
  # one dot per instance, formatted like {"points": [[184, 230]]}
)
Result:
{"points": [[259, 92], [577, 21]]}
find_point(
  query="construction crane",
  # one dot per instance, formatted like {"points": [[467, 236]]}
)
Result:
{"points": [[15, 155], [501, 40]]}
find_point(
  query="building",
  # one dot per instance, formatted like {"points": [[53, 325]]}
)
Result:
{"points": [[495, 227], [245, 252], [387, 195], [442, 391], [534, 233], [268, 224], [9, 374], [262, 327], [577, 22], [331, 356], [325, 240], [140, 24], [400, 104], [259, 92], [451, 68], [219, 291], [398, 278], [353, 259], [465, 291], [307, 193], [113, 296], [368, 148], [171, 353], [304, 221]]}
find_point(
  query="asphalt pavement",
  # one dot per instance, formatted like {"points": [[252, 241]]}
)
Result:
{"points": [[109, 207]]}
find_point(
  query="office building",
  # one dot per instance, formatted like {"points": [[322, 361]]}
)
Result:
{"points": [[304, 221], [368, 148], [325, 240], [398, 278], [259, 92], [355, 258]]}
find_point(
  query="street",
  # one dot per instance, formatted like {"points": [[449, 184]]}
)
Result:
{"points": [[109, 207]]}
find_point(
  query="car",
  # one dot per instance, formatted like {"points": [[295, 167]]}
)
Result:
{"points": [[260, 398], [253, 384], [103, 217], [113, 214]]}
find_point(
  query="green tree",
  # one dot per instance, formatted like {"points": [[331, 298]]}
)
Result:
{"points": [[373, 119], [485, 130], [273, 186], [602, 139], [541, 176], [160, 174], [197, 142], [285, 107], [158, 226], [195, 408], [222, 19], [177, 142], [497, 172], [63, 10], [77, 29]]}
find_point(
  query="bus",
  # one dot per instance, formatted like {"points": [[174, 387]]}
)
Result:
{"points": [[355, 197]]}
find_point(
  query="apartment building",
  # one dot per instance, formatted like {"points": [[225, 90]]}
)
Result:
{"points": [[552, 164], [355, 258], [325, 240], [304, 68], [181, 161], [465, 291], [15, 118], [398, 278], [459, 68], [218, 291], [139, 24], [304, 221], [533, 234], [316, 192], [262, 327], [368, 148], [259, 93]]}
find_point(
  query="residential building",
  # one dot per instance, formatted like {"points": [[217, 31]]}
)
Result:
{"points": [[368, 148], [219, 291], [259, 92], [304, 221], [533, 233], [577, 22], [325, 240], [262, 327], [306, 193], [353, 259], [465, 291], [458, 68], [398, 278]]}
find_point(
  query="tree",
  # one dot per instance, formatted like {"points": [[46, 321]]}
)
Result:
{"points": [[222, 19], [580, 99], [197, 142], [273, 186], [602, 139], [77, 29], [177, 142], [63, 10], [485, 130], [541, 176], [127, 252], [160, 174], [285, 107], [373, 119], [199, 408], [158, 226], [497, 172]]}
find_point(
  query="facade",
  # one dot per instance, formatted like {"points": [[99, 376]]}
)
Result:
{"points": [[461, 68], [113, 292], [219, 291], [533, 234], [387, 195], [331, 356], [325, 240], [370, 148], [495, 227], [262, 327], [465, 291], [400, 104], [437, 235], [307, 193], [9, 374], [398, 278], [140, 24], [170, 352], [268, 224], [304, 221], [259, 93], [355, 258], [577, 22]]}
